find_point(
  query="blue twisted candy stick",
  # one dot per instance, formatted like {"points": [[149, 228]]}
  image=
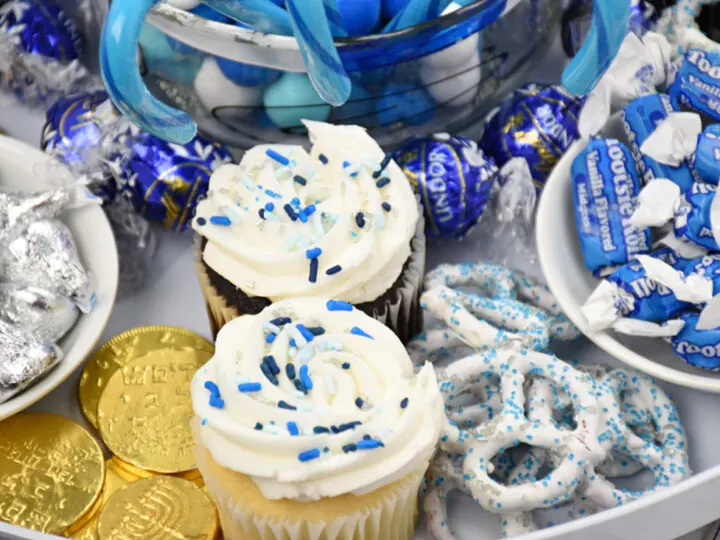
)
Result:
{"points": [[120, 72], [312, 30], [608, 30]]}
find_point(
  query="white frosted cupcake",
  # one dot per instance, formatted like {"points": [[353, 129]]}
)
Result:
{"points": [[310, 423], [340, 222]]}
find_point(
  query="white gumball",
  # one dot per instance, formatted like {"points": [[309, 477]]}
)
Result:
{"points": [[458, 54], [215, 90], [187, 5], [453, 86]]}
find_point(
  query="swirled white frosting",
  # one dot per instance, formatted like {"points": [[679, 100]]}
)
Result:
{"points": [[399, 414], [363, 225]]}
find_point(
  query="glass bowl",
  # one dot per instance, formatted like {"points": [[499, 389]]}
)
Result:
{"points": [[245, 88]]}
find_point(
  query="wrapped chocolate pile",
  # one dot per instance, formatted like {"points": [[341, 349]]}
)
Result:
{"points": [[43, 284]]}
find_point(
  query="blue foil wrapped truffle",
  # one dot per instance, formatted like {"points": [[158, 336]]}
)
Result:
{"points": [[41, 27], [164, 181], [454, 179], [538, 123]]}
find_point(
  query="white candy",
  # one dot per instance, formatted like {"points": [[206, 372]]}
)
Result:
{"points": [[461, 54], [215, 90], [452, 86]]}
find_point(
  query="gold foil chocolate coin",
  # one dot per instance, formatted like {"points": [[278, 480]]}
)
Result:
{"points": [[125, 348], [145, 411], [158, 508], [129, 471], [51, 472]]}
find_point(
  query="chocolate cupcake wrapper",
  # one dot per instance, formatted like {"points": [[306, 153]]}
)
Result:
{"points": [[399, 308]]}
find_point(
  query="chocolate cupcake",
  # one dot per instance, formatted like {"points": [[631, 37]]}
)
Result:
{"points": [[340, 221]]}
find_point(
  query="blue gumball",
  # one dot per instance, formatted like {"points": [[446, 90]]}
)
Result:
{"points": [[359, 17], [359, 109], [405, 103], [291, 99], [247, 74], [390, 8]]}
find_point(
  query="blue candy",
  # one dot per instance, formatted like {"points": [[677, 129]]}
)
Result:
{"points": [[699, 348], [640, 118], [697, 84], [247, 74], [405, 103], [605, 189], [707, 155], [692, 219], [359, 17], [293, 98], [454, 179]]}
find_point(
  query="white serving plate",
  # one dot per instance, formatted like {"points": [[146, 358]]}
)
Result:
{"points": [[24, 168], [571, 282]]}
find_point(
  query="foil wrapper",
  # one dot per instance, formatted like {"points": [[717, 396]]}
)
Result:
{"points": [[23, 360], [44, 255], [454, 179], [165, 181], [43, 314], [19, 210], [537, 123], [40, 48]]}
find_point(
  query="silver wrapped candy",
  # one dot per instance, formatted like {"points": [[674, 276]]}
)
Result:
{"points": [[23, 359], [19, 210], [44, 255], [41, 313]]}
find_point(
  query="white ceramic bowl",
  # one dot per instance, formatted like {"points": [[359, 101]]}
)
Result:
{"points": [[571, 282], [23, 168]]}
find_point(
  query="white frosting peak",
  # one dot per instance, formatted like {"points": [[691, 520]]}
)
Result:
{"points": [[366, 421], [261, 217]]}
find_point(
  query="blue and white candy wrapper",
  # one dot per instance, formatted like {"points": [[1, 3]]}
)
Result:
{"points": [[697, 84], [695, 213], [707, 155], [537, 123], [656, 129], [699, 348], [39, 52], [454, 179], [605, 188]]}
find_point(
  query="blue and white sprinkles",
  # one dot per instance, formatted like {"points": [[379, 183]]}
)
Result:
{"points": [[584, 424]]}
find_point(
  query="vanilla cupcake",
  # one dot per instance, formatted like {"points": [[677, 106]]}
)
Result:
{"points": [[311, 424], [341, 222]]}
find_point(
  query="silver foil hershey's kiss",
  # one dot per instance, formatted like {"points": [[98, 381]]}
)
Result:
{"points": [[19, 210], [23, 359], [38, 312], [45, 256]]}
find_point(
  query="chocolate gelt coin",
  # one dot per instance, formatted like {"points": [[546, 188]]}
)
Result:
{"points": [[145, 411], [51, 472], [158, 507], [193, 476], [122, 349], [129, 471]]}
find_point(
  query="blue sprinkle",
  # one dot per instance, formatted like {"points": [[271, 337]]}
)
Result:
{"points": [[258, 426], [290, 371], [346, 365], [292, 343], [216, 402], [349, 448], [302, 216], [271, 193], [334, 270], [307, 334], [299, 386], [309, 455], [383, 164], [299, 180], [284, 405], [200, 221], [281, 321], [314, 265], [250, 387], [290, 212], [359, 332], [272, 154], [359, 403], [338, 305], [204, 421], [404, 403], [270, 361], [222, 221], [270, 338], [368, 444], [320, 429], [261, 213], [386, 206], [212, 387], [269, 207], [384, 181], [360, 219], [309, 210], [305, 377], [293, 429], [316, 330], [269, 374], [313, 253], [323, 159]]}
